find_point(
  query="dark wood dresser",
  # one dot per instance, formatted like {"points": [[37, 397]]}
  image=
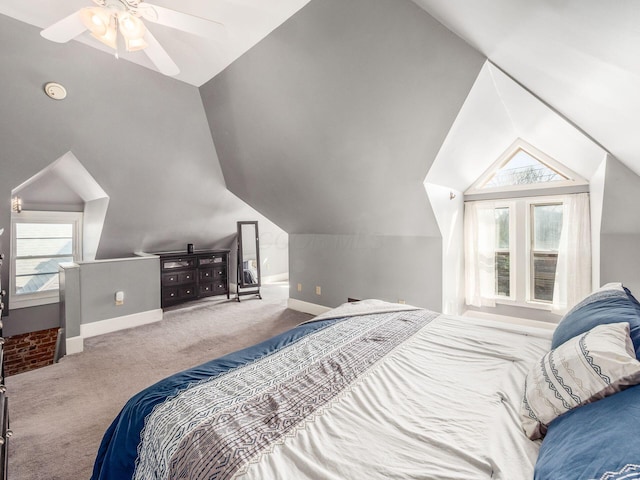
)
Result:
{"points": [[188, 276]]}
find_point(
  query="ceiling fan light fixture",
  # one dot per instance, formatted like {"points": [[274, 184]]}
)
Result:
{"points": [[99, 23], [95, 19], [135, 44], [131, 26]]}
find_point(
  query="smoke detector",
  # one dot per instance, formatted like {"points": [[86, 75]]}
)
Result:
{"points": [[55, 91]]}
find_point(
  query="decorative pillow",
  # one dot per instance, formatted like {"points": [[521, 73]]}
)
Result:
{"points": [[587, 368], [597, 441], [612, 303]]}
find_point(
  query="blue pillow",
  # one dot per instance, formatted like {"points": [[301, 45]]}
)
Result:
{"points": [[611, 304], [597, 441]]}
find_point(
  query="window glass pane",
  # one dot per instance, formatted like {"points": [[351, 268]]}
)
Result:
{"points": [[544, 275], [523, 169], [44, 230], [547, 225], [39, 249], [36, 266], [36, 283], [502, 227], [503, 286], [29, 247]]}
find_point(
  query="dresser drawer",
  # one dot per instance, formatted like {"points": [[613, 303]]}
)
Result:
{"points": [[179, 292], [205, 275], [177, 278], [187, 291], [169, 295], [219, 288], [220, 273], [206, 289], [213, 260], [175, 263]]}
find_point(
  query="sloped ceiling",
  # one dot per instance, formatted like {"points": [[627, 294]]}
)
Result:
{"points": [[149, 150], [329, 125], [497, 112], [199, 58], [579, 56]]}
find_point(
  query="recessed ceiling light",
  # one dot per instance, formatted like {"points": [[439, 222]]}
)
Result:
{"points": [[55, 91]]}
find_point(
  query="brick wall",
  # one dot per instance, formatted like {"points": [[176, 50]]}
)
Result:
{"points": [[29, 351]]}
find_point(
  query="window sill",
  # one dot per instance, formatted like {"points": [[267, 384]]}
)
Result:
{"points": [[533, 305], [16, 302]]}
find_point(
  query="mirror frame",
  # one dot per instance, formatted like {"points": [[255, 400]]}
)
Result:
{"points": [[242, 240]]}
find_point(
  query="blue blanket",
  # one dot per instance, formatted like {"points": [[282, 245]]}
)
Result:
{"points": [[118, 451], [210, 421]]}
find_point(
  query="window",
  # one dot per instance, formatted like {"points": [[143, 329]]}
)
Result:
{"points": [[525, 243], [546, 225], [522, 246], [503, 252], [522, 168], [40, 242]]}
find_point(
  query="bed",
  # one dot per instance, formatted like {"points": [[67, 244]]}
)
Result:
{"points": [[368, 390]]}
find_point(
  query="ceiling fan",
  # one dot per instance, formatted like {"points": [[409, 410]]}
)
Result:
{"points": [[111, 17]]}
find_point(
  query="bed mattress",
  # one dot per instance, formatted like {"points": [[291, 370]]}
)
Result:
{"points": [[370, 393]]}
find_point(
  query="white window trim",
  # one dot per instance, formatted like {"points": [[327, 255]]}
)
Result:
{"points": [[36, 216], [529, 202], [511, 205], [521, 293], [573, 178]]}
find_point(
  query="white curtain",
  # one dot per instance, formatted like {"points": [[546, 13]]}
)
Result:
{"points": [[573, 270], [479, 253]]}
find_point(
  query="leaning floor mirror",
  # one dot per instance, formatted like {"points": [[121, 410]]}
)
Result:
{"points": [[248, 260]]}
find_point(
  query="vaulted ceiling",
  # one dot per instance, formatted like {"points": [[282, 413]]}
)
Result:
{"points": [[579, 56], [327, 115]]}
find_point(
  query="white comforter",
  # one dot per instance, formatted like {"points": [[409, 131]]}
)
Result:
{"points": [[442, 405]]}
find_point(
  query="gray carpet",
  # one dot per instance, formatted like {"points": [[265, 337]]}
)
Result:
{"points": [[59, 413]]}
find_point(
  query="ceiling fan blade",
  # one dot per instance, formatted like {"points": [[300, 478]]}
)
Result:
{"points": [[180, 21], [65, 29], [159, 56]]}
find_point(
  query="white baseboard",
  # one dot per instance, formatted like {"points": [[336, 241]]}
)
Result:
{"points": [[278, 277], [74, 345], [306, 307], [120, 323]]}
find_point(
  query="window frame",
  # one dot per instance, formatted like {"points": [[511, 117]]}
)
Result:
{"points": [[571, 177], [513, 251], [531, 204], [38, 216], [520, 249]]}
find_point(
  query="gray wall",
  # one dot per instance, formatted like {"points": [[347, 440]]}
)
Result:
{"points": [[143, 136], [87, 291], [138, 278], [329, 126], [390, 268], [31, 319], [620, 228]]}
